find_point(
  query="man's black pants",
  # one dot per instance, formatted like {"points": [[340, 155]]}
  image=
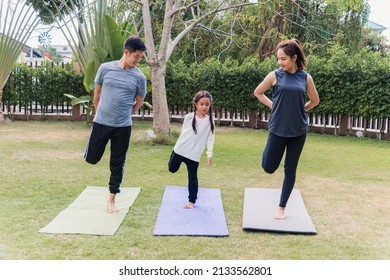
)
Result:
{"points": [[120, 140]]}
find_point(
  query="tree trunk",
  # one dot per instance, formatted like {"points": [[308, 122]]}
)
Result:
{"points": [[343, 125], [161, 124]]}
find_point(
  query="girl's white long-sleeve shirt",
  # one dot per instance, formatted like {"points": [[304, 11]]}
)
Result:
{"points": [[190, 144]]}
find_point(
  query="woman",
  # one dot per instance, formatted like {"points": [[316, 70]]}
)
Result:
{"points": [[289, 119]]}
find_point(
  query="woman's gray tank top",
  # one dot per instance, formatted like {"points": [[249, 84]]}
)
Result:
{"points": [[288, 115]]}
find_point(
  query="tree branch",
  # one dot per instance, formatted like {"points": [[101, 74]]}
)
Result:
{"points": [[149, 40], [184, 8], [172, 44]]}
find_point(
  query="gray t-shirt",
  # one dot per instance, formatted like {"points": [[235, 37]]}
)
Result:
{"points": [[119, 89]]}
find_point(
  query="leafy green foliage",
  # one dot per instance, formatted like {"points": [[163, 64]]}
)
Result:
{"points": [[348, 84], [258, 29], [85, 101], [116, 36], [51, 10], [352, 84], [89, 77], [45, 85], [231, 84], [17, 21]]}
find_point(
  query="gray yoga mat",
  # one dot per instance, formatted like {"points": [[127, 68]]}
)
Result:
{"points": [[260, 209], [207, 218], [87, 214]]}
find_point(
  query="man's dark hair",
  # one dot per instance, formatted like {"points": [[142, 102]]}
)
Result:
{"points": [[134, 43]]}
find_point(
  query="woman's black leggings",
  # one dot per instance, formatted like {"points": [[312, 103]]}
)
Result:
{"points": [[192, 168], [272, 157]]}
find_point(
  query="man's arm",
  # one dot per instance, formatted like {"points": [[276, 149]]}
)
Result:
{"points": [[96, 96], [139, 101]]}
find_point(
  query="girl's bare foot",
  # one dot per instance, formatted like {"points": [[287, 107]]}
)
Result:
{"points": [[189, 205], [111, 208], [280, 215]]}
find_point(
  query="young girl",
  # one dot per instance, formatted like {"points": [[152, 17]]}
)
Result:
{"points": [[288, 121], [197, 132]]}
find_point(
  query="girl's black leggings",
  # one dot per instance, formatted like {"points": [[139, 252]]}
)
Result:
{"points": [[192, 168], [272, 156]]}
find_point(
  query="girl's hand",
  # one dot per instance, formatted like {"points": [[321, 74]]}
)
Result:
{"points": [[209, 161]]}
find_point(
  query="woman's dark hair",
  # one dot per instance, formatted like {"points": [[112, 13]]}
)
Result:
{"points": [[198, 96], [293, 47]]}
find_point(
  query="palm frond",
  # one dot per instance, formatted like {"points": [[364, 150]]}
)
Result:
{"points": [[85, 28], [17, 22]]}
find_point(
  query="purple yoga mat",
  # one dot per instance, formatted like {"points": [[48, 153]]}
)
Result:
{"points": [[207, 218]]}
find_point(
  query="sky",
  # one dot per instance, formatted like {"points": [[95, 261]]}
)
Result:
{"points": [[379, 13]]}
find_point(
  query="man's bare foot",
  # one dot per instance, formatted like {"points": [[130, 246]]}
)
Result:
{"points": [[280, 215], [189, 205], [111, 208]]}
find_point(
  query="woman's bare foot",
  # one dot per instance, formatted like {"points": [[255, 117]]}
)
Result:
{"points": [[280, 215], [111, 208], [189, 205], [111, 204]]}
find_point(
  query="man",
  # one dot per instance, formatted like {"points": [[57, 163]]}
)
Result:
{"points": [[120, 89]]}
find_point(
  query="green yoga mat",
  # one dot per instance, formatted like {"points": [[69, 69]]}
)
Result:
{"points": [[87, 214]]}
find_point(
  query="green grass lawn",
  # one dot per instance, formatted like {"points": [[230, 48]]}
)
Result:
{"points": [[344, 181]]}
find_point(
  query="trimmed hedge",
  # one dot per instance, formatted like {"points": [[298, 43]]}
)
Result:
{"points": [[45, 85], [354, 85], [231, 84]]}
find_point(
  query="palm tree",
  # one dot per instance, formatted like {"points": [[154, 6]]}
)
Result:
{"points": [[17, 21], [94, 29]]}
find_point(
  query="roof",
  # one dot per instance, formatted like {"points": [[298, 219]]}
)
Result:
{"points": [[375, 26], [27, 51]]}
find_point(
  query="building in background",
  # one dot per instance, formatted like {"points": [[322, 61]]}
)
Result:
{"points": [[63, 51], [30, 55], [377, 28]]}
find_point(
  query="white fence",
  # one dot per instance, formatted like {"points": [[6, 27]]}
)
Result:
{"points": [[326, 123], [334, 124]]}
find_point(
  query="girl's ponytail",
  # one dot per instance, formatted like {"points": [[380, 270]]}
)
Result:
{"points": [[194, 123], [211, 120]]}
